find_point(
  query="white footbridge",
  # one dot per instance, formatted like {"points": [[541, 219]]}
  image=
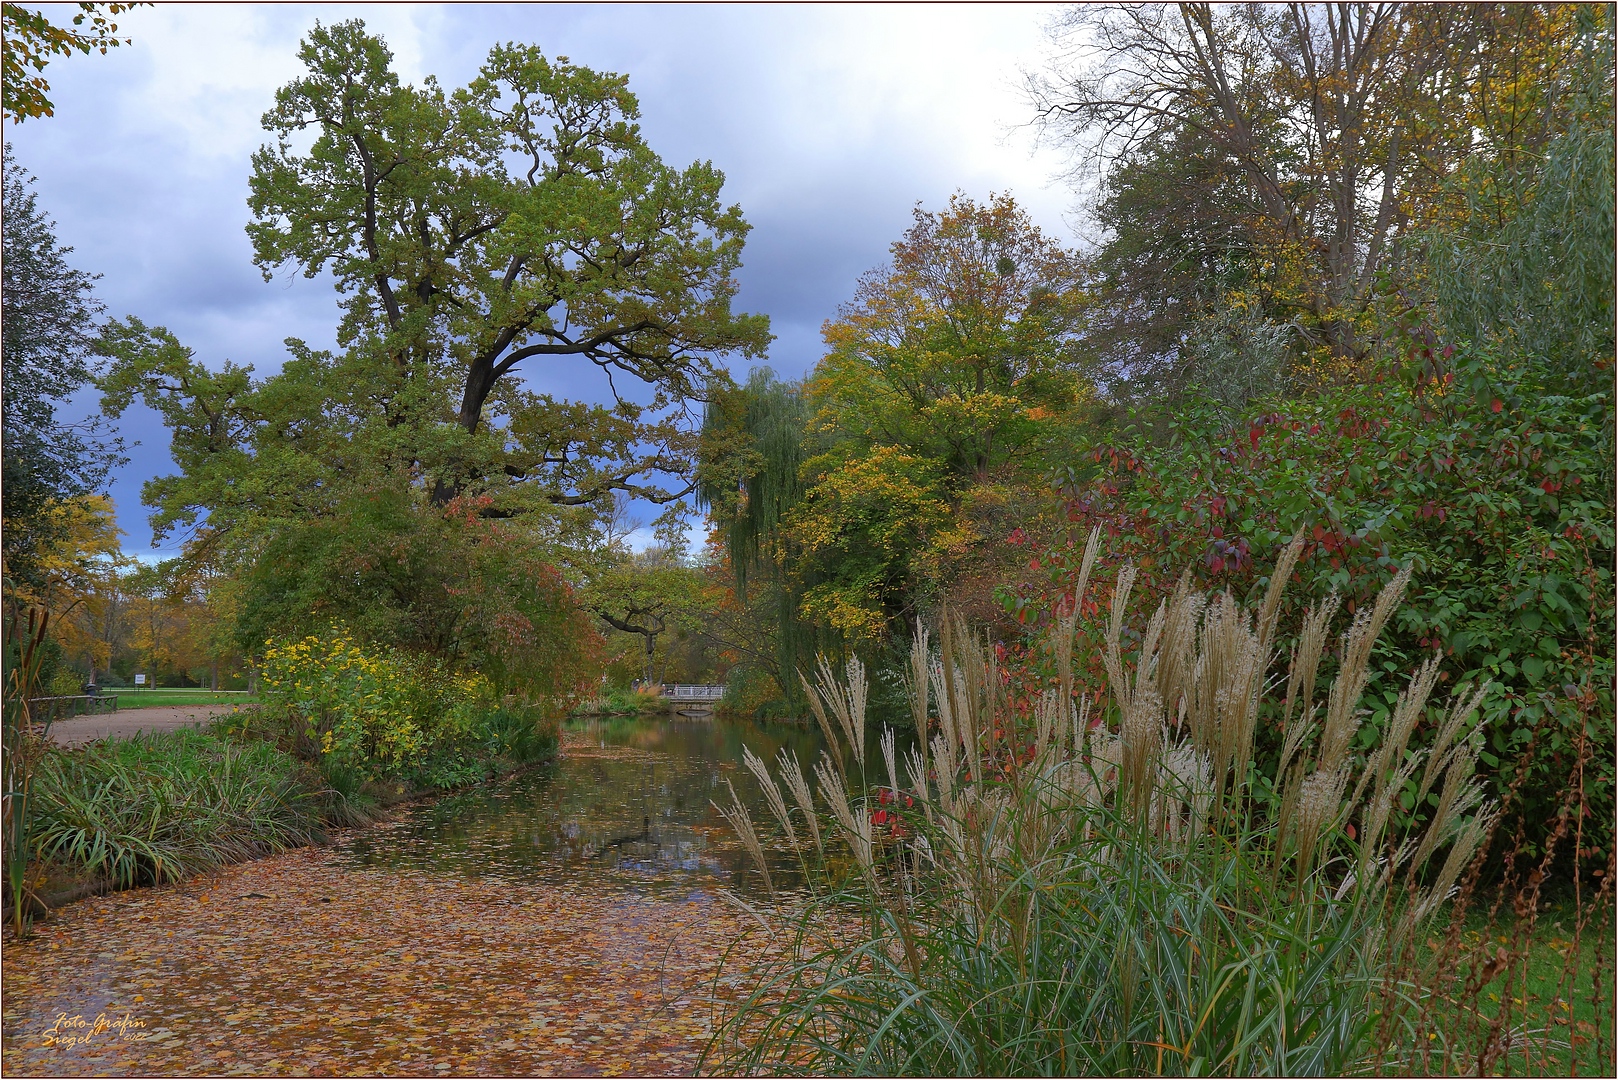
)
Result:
{"points": [[692, 700]]}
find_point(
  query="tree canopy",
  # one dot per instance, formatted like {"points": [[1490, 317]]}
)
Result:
{"points": [[1281, 159], [520, 219], [877, 481], [48, 319], [31, 40]]}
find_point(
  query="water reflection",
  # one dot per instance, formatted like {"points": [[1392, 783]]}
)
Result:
{"points": [[627, 807]]}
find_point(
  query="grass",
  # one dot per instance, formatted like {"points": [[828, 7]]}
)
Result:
{"points": [[1034, 893], [151, 699], [159, 807], [1556, 993], [620, 701]]}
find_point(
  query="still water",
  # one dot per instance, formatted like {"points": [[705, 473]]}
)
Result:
{"points": [[627, 807]]}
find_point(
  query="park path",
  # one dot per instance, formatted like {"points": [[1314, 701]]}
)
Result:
{"points": [[78, 730], [301, 965]]}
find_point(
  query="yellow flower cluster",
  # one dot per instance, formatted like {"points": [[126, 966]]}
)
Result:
{"points": [[378, 709]]}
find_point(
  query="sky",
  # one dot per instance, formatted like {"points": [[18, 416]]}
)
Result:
{"points": [[830, 124]]}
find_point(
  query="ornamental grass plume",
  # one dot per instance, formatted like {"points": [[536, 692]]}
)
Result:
{"points": [[737, 817], [1142, 887]]}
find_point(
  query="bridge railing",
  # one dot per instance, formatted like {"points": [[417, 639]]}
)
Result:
{"points": [[691, 692]]}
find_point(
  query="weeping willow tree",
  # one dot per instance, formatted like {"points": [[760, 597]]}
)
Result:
{"points": [[755, 443], [1528, 267], [1529, 263]]}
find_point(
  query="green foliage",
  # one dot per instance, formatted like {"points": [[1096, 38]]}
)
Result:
{"points": [[651, 594], [866, 526], [521, 218], [1482, 479], [23, 747], [755, 441], [962, 351], [619, 701], [370, 716], [31, 40], [159, 808], [516, 734], [474, 592], [874, 487], [378, 712], [48, 312], [1529, 268]]}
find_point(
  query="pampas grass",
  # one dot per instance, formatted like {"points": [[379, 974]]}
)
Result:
{"points": [[1061, 899]]}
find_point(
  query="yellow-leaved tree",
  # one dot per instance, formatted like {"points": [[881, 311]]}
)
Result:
{"points": [[945, 378]]}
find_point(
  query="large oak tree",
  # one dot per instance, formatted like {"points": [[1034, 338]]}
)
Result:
{"points": [[520, 220]]}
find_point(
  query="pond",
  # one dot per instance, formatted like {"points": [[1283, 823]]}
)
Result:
{"points": [[563, 922], [628, 807]]}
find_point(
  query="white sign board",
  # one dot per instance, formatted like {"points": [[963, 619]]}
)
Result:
{"points": [[140, 680]]}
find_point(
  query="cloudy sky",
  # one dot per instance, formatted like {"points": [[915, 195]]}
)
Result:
{"points": [[829, 123]]}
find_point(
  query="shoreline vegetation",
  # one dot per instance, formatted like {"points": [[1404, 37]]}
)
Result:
{"points": [[1118, 876], [158, 807], [84, 841]]}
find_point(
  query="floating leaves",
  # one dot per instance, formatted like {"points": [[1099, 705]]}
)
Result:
{"points": [[299, 964]]}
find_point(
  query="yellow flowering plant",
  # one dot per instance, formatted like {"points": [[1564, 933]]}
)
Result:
{"points": [[370, 709]]}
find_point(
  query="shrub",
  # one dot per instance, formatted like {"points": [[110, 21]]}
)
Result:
{"points": [[519, 734], [1086, 888], [366, 714], [476, 593], [1476, 473], [375, 712], [621, 701]]}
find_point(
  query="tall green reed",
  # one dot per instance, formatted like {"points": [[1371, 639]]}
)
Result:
{"points": [[23, 748], [1050, 893]]}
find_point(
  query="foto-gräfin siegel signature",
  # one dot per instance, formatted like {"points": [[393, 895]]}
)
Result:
{"points": [[67, 1031]]}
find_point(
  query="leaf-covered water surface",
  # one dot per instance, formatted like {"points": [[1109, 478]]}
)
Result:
{"points": [[546, 926]]}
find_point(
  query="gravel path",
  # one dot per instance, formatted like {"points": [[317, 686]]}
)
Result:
{"points": [[120, 725]]}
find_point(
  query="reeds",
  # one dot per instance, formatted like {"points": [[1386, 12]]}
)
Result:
{"points": [[1118, 900], [22, 750]]}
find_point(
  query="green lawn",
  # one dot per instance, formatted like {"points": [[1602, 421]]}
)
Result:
{"points": [[1568, 1022], [144, 699]]}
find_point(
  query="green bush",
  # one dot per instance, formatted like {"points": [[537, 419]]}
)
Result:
{"points": [[517, 734], [373, 712], [159, 807], [1495, 489], [370, 716], [623, 701]]}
